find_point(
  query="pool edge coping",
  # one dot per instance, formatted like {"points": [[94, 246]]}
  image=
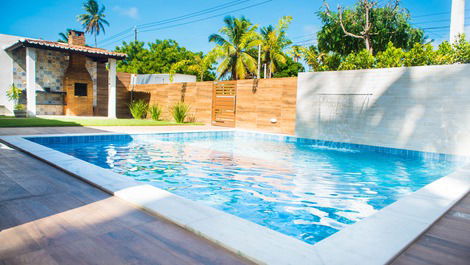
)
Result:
{"points": [[385, 234]]}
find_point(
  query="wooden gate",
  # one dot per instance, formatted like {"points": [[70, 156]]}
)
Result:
{"points": [[224, 100]]}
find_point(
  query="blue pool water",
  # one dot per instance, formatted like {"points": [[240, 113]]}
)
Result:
{"points": [[300, 188]]}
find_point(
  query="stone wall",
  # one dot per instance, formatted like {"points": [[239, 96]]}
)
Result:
{"points": [[419, 108], [50, 69]]}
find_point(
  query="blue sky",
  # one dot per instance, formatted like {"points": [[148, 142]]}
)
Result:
{"points": [[46, 18]]}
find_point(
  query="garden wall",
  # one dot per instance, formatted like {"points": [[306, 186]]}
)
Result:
{"points": [[197, 94], [257, 102], [420, 108]]}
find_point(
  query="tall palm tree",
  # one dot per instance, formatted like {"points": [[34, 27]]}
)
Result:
{"points": [[93, 20], [274, 42], [235, 44], [64, 36]]}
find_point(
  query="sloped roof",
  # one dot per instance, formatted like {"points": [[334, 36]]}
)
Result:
{"points": [[59, 46]]}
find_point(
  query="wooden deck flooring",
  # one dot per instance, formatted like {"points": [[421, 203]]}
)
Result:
{"points": [[447, 242], [50, 217]]}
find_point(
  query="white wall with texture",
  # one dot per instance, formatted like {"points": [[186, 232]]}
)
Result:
{"points": [[6, 73], [419, 108]]}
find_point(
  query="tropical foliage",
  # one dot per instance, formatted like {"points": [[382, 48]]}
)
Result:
{"points": [[236, 44], [420, 54], [180, 111], [14, 94], [139, 109], [164, 56], [200, 65], [64, 36], [274, 42], [367, 25], [155, 112], [93, 20]]}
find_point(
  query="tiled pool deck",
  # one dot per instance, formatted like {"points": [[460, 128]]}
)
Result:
{"points": [[50, 217], [449, 244]]}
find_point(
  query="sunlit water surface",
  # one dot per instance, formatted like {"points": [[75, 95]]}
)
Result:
{"points": [[305, 191]]}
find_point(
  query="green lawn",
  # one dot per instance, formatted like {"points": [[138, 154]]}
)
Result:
{"points": [[6, 121]]}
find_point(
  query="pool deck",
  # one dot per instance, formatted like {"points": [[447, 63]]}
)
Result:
{"points": [[43, 208], [50, 217]]}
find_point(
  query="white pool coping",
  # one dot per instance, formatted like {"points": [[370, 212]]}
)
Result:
{"points": [[375, 240]]}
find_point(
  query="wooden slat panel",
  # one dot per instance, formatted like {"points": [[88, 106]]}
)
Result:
{"points": [[224, 103]]}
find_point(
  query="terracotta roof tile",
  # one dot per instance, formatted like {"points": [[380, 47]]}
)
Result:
{"points": [[68, 47]]}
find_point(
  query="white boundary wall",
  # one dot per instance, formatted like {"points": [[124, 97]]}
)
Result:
{"points": [[6, 73], [424, 108]]}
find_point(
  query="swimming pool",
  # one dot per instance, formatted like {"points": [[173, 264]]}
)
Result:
{"points": [[303, 188]]}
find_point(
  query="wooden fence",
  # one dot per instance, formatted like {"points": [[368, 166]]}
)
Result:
{"points": [[267, 105]]}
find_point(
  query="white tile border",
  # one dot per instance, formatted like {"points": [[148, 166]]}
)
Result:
{"points": [[375, 240]]}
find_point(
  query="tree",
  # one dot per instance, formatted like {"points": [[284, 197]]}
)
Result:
{"points": [[288, 69], [160, 57], [201, 64], [93, 21], [274, 41], [366, 26], [64, 36], [236, 42], [319, 61]]}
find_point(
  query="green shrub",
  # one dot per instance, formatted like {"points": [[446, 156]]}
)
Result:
{"points": [[155, 112], [391, 57], [461, 50], [420, 54], [180, 111], [444, 54], [20, 107], [361, 60], [138, 109]]}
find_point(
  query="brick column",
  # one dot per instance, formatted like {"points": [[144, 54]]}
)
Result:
{"points": [[112, 89], [31, 81]]}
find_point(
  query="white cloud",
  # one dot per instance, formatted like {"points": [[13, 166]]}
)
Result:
{"points": [[132, 12]]}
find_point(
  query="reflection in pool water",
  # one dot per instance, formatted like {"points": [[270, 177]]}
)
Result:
{"points": [[302, 190]]}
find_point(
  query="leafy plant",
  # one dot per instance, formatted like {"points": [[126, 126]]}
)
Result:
{"points": [[420, 54], [361, 60], [139, 109], [391, 57], [461, 50], [155, 112], [165, 56], [180, 111], [14, 93], [20, 107]]}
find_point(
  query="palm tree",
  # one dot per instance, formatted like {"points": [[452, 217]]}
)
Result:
{"points": [[200, 65], [64, 36], [93, 20], [235, 45], [274, 42]]}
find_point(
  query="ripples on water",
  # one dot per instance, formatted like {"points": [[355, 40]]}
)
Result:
{"points": [[305, 191]]}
